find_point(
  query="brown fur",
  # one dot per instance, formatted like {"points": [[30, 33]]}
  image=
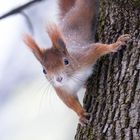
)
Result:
{"points": [[57, 38], [54, 34], [71, 101], [81, 18], [30, 42], [65, 6], [53, 59], [76, 27], [97, 50]]}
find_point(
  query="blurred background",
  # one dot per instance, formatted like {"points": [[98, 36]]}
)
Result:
{"points": [[29, 107]]}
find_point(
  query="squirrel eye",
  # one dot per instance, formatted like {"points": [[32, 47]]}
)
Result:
{"points": [[44, 71], [66, 61]]}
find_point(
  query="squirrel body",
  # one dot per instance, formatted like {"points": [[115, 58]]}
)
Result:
{"points": [[69, 62]]}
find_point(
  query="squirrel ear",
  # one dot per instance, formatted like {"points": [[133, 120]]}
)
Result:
{"points": [[56, 38], [29, 41], [59, 44]]}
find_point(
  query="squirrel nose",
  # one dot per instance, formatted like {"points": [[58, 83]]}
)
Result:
{"points": [[59, 79]]}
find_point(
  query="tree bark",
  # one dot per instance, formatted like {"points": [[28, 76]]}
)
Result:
{"points": [[113, 91]]}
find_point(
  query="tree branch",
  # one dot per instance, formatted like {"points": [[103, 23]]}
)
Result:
{"points": [[19, 9], [28, 21]]}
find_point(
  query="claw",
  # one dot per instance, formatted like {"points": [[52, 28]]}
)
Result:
{"points": [[124, 38], [85, 119], [121, 41]]}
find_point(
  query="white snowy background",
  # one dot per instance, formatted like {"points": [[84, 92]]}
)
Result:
{"points": [[29, 108]]}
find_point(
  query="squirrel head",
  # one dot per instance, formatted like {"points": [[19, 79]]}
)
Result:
{"points": [[57, 64]]}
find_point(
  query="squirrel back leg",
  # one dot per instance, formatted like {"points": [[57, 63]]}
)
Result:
{"points": [[65, 6]]}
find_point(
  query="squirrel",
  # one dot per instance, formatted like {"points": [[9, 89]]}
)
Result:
{"points": [[69, 62]]}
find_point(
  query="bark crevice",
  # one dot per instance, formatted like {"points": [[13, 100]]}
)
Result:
{"points": [[113, 91]]}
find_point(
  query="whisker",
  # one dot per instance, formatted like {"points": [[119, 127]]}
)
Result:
{"points": [[36, 89], [49, 93], [50, 81], [44, 83], [44, 93], [77, 79]]}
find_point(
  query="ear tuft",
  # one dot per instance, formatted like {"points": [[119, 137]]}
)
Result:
{"points": [[29, 41], [56, 37]]}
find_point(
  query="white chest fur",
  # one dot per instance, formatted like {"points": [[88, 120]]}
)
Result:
{"points": [[77, 80]]}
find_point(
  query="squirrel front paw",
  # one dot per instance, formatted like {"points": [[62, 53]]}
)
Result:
{"points": [[124, 38], [120, 42], [85, 118]]}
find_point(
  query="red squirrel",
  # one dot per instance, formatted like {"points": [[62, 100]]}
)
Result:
{"points": [[69, 62]]}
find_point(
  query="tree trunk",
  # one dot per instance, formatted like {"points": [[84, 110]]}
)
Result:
{"points": [[113, 91]]}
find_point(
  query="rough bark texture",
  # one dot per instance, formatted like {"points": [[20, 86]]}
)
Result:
{"points": [[113, 91]]}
